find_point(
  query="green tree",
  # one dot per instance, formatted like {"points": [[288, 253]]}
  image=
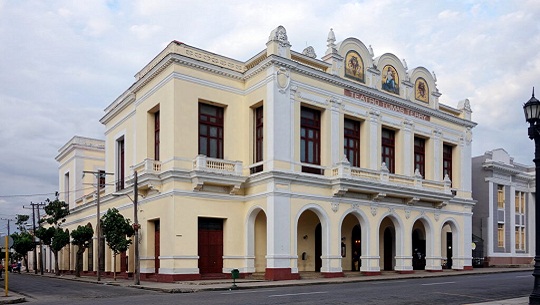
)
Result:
{"points": [[81, 238], [22, 221], [117, 231], [23, 241], [54, 236]]}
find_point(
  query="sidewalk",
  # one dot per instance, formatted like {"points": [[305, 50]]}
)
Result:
{"points": [[308, 279]]}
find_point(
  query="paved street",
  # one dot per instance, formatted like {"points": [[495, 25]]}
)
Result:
{"points": [[465, 288]]}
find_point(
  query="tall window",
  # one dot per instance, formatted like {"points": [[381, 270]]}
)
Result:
{"points": [[156, 135], [211, 131], [66, 187], [447, 161], [500, 235], [310, 139], [101, 175], [520, 238], [500, 196], [258, 151], [520, 202], [420, 155], [388, 149], [351, 141], [520, 224], [120, 164]]}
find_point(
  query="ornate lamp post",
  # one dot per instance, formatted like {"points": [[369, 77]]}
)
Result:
{"points": [[532, 116]]}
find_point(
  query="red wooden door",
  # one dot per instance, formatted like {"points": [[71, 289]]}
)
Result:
{"points": [[123, 261], [210, 246], [156, 246]]}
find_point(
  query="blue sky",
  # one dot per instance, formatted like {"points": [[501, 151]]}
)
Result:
{"points": [[62, 63]]}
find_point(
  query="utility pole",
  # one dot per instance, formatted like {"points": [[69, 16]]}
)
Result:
{"points": [[98, 175], [40, 246], [8, 220], [35, 206], [34, 237]]}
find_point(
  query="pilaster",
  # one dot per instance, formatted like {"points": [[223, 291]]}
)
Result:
{"points": [[373, 140]]}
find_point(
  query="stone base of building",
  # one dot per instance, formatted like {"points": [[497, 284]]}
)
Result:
{"points": [[434, 270], [405, 271], [509, 261], [332, 274], [169, 278], [370, 273], [467, 267], [280, 274]]}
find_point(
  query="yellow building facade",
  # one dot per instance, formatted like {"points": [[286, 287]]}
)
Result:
{"points": [[281, 164]]}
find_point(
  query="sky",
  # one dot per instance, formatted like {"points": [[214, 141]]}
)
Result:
{"points": [[63, 62]]}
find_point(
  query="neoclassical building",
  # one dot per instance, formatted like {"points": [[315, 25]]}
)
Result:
{"points": [[503, 217], [283, 163]]}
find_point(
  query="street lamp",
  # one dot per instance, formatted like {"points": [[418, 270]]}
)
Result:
{"points": [[136, 226], [532, 116]]}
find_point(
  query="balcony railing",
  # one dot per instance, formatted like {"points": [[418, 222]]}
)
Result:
{"points": [[343, 169], [149, 166], [204, 163]]}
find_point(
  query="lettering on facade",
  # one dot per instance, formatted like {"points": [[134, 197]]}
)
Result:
{"points": [[386, 105]]}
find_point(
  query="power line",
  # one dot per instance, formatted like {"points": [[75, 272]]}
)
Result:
{"points": [[54, 193]]}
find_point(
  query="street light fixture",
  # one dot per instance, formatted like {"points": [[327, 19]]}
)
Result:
{"points": [[532, 116]]}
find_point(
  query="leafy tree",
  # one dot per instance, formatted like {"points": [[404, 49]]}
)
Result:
{"points": [[23, 241], [117, 231], [22, 221], [54, 236], [81, 238]]}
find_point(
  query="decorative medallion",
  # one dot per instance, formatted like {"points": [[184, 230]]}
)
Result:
{"points": [[373, 210], [437, 215], [407, 213], [354, 67], [390, 80], [283, 79], [335, 206], [421, 90], [356, 205]]}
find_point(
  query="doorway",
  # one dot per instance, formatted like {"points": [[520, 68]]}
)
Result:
{"points": [[449, 250], [156, 246], [210, 245], [356, 248], [388, 249]]}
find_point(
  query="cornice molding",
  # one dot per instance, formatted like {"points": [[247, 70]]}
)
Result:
{"points": [[273, 60]]}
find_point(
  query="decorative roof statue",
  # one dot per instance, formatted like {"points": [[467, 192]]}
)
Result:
{"points": [[331, 42], [279, 34], [309, 52]]}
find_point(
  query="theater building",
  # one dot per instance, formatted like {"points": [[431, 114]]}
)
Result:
{"points": [[281, 164], [503, 217]]}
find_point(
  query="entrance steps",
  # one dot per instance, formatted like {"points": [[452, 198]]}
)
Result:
{"points": [[256, 276], [307, 275]]}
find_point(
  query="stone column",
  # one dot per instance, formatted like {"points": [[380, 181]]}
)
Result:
{"points": [[278, 258]]}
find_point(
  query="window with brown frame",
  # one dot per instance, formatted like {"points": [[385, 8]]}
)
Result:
{"points": [[211, 131], [388, 146], [120, 164], [156, 135], [420, 155], [310, 139], [447, 161], [351, 141]]}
